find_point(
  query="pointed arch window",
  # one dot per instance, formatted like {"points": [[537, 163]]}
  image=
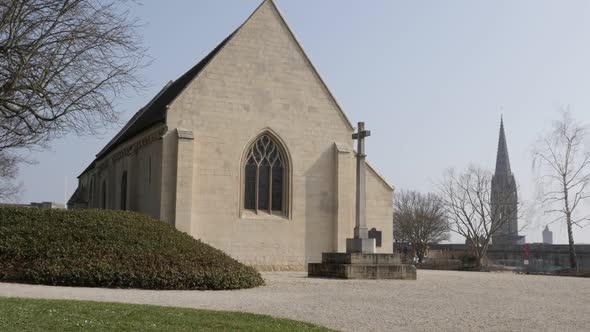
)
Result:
{"points": [[265, 174]]}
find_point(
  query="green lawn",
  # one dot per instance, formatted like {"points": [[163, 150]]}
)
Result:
{"points": [[51, 315]]}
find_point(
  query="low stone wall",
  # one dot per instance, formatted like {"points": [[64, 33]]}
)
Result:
{"points": [[440, 264], [542, 256]]}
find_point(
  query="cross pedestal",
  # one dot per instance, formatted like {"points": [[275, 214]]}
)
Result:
{"points": [[360, 245]]}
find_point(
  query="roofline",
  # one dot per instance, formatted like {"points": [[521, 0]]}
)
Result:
{"points": [[88, 168], [346, 119], [101, 154], [380, 176], [97, 159], [230, 38], [109, 145], [225, 43], [133, 119]]}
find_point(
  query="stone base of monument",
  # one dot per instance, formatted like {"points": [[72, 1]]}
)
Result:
{"points": [[360, 245], [361, 266]]}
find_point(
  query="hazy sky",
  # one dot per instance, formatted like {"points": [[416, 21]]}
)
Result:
{"points": [[429, 78]]}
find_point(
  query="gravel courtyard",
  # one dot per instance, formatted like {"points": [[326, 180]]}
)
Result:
{"points": [[438, 300]]}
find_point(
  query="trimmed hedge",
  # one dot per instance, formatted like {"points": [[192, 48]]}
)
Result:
{"points": [[106, 248]]}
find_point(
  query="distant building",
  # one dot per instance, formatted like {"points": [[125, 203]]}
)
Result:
{"points": [[547, 236], [42, 205], [541, 256], [48, 205], [504, 196]]}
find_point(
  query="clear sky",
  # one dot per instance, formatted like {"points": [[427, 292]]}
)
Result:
{"points": [[429, 78]]}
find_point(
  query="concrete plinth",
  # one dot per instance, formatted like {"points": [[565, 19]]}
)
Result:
{"points": [[361, 266]]}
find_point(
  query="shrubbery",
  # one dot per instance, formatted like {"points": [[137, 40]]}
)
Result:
{"points": [[468, 262], [102, 248]]}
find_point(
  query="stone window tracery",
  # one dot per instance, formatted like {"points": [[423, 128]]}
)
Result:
{"points": [[265, 170]]}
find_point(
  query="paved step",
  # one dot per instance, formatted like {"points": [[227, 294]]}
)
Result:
{"points": [[362, 271], [356, 258]]}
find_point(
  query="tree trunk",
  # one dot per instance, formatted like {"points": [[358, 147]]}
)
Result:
{"points": [[478, 262], [568, 220], [483, 251], [419, 252], [570, 236]]}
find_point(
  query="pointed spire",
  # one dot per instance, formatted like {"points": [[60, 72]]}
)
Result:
{"points": [[502, 160]]}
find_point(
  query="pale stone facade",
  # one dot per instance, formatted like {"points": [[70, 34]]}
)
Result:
{"points": [[187, 167]]}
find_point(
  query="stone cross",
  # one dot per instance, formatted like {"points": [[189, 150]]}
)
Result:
{"points": [[360, 230], [361, 242]]}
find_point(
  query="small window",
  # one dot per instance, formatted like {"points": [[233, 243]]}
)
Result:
{"points": [[150, 170], [124, 191], [103, 203], [265, 186], [91, 192]]}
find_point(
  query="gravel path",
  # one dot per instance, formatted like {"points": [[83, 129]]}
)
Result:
{"points": [[438, 300]]}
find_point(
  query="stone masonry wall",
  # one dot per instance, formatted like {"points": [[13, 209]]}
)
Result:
{"points": [[261, 81], [142, 162]]}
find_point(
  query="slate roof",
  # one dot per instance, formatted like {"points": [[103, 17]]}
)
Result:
{"points": [[155, 111], [78, 196]]}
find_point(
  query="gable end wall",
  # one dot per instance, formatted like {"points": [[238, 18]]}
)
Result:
{"points": [[259, 80]]}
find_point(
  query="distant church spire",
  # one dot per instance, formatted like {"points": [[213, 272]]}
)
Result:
{"points": [[502, 159], [504, 196]]}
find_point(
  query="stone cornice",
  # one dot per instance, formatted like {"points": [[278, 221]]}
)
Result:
{"points": [[129, 149], [132, 146]]}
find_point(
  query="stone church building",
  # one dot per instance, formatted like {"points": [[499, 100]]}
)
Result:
{"points": [[247, 151]]}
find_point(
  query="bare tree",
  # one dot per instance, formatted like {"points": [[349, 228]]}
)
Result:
{"points": [[419, 220], [564, 179], [62, 65], [9, 190], [468, 204]]}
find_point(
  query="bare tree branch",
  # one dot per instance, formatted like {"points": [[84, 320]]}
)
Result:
{"points": [[468, 205], [9, 190], [419, 220], [63, 63]]}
